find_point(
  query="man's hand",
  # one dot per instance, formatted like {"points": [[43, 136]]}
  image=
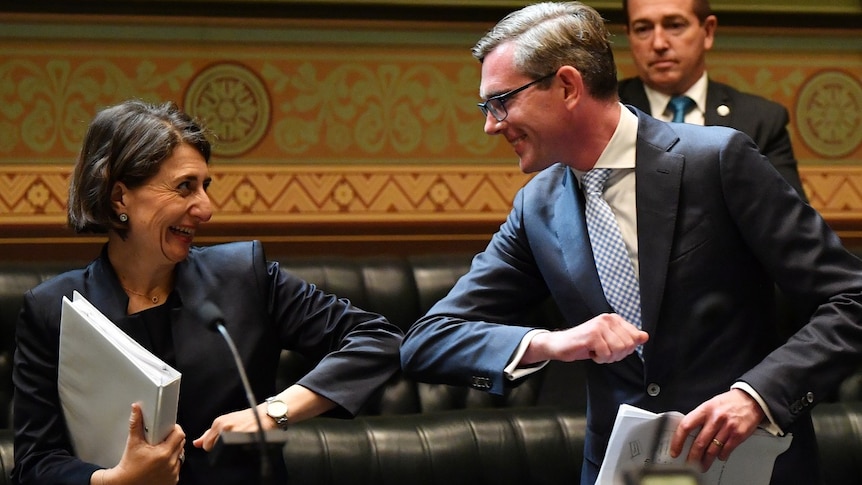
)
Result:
{"points": [[724, 422], [606, 338]]}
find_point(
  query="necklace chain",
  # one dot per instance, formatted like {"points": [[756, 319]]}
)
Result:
{"points": [[154, 298]]}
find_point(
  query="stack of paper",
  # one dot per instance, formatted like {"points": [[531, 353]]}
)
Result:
{"points": [[640, 438], [102, 371]]}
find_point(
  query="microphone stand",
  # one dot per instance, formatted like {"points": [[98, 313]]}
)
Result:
{"points": [[265, 465]]}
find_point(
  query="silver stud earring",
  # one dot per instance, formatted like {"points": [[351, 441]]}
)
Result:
{"points": [[124, 217]]}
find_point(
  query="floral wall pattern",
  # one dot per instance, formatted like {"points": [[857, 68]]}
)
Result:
{"points": [[349, 127]]}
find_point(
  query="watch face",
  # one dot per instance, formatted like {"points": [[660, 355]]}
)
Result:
{"points": [[276, 409]]}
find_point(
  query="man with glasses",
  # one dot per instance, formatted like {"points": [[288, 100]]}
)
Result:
{"points": [[496, 105], [664, 273], [668, 40]]}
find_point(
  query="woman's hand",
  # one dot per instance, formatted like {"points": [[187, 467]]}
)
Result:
{"points": [[143, 463], [302, 404], [243, 421]]}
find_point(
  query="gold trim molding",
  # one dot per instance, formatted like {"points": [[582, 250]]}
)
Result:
{"points": [[36, 195], [351, 194]]}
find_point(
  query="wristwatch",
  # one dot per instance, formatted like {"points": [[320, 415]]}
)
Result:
{"points": [[277, 410]]}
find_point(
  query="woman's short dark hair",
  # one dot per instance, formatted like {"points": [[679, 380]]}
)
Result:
{"points": [[125, 143]]}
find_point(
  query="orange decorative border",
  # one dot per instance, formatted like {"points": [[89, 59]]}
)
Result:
{"points": [[35, 195], [277, 194]]}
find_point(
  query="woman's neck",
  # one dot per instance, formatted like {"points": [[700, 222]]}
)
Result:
{"points": [[145, 283]]}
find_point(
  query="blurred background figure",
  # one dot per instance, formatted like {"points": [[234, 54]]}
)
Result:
{"points": [[668, 40]]}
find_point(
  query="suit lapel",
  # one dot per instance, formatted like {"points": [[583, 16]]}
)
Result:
{"points": [[106, 294], [571, 230], [659, 177], [717, 96]]}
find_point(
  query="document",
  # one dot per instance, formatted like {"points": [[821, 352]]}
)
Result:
{"points": [[102, 371], [640, 438]]}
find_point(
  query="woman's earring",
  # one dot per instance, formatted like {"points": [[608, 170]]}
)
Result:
{"points": [[124, 217]]}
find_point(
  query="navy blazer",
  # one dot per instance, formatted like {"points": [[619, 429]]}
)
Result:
{"points": [[763, 120], [265, 310], [716, 227]]}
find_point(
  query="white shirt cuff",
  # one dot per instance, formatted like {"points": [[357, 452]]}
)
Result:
{"points": [[512, 371], [770, 427]]}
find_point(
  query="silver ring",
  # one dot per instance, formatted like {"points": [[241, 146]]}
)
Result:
{"points": [[182, 458]]}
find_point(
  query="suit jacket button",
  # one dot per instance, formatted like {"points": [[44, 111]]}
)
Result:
{"points": [[653, 389]]}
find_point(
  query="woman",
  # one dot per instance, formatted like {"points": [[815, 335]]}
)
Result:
{"points": [[142, 178]]}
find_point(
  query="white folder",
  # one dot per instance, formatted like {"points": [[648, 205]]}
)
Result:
{"points": [[102, 371], [639, 437]]}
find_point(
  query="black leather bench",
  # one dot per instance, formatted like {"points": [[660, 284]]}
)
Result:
{"points": [[427, 433]]}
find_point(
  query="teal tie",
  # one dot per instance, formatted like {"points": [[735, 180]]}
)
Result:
{"points": [[680, 105]]}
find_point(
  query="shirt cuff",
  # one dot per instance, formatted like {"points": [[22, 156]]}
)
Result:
{"points": [[513, 371], [769, 426]]}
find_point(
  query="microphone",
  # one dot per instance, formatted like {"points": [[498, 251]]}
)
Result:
{"points": [[211, 314]]}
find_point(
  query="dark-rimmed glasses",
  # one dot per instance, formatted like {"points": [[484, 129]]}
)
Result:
{"points": [[496, 105]]}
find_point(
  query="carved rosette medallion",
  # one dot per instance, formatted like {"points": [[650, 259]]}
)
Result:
{"points": [[234, 105], [829, 113]]}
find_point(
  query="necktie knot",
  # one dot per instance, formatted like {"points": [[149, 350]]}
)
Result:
{"points": [[680, 105], [594, 180]]}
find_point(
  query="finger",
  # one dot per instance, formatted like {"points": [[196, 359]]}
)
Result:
{"points": [[680, 435], [688, 428], [136, 423], [703, 449], [177, 437], [626, 338], [729, 444], [711, 452], [199, 442], [600, 352], [207, 440]]}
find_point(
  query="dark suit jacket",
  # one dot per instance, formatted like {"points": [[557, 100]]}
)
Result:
{"points": [[716, 226], [763, 120], [265, 310]]}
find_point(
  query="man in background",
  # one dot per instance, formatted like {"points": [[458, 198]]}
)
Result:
{"points": [[668, 40]]}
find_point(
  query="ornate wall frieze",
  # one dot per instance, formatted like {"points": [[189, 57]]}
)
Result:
{"points": [[355, 128], [364, 194]]}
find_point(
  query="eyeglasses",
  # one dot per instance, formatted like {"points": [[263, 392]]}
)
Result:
{"points": [[496, 105]]}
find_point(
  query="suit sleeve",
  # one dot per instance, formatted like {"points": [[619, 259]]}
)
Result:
{"points": [[775, 145], [468, 337], [43, 452], [808, 262], [355, 351]]}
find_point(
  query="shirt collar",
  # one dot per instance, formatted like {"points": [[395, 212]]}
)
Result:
{"points": [[620, 150], [658, 101]]}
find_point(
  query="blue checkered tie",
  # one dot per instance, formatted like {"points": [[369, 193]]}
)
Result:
{"points": [[680, 105], [615, 268]]}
